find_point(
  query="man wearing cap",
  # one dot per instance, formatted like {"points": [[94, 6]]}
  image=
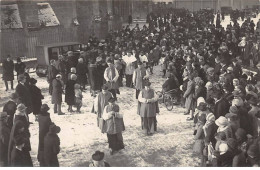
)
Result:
{"points": [[139, 77], [24, 94], [4, 139], [111, 76], [10, 108], [57, 94], [51, 74], [100, 102], [8, 72], [147, 109]]}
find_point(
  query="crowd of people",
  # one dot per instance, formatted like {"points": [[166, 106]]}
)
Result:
{"points": [[201, 59]]}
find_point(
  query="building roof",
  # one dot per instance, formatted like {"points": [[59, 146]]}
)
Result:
{"points": [[60, 44]]}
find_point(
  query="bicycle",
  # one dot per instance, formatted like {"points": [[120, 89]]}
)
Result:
{"points": [[169, 98]]}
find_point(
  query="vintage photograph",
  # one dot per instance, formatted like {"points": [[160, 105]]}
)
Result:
{"points": [[130, 83]]}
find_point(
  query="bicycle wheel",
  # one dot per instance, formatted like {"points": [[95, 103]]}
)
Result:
{"points": [[168, 102]]}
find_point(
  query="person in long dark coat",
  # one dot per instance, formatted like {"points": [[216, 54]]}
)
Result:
{"points": [[18, 157], [188, 95], [81, 73], [92, 76], [44, 124], [19, 129], [36, 97], [52, 147], [10, 108], [57, 94], [24, 93], [19, 67], [70, 92], [8, 72], [52, 72], [4, 139], [60, 66], [222, 106]]}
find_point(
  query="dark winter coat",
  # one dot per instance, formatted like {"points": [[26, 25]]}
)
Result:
{"points": [[239, 160], [81, 73], [52, 72], [201, 91], [189, 93], [18, 158], [56, 92], [4, 142], [225, 160], [211, 130], [51, 149], [36, 99], [92, 75], [24, 96], [19, 68], [245, 120], [8, 70], [10, 108], [221, 108], [61, 68], [44, 124], [70, 93], [170, 84], [26, 148]]}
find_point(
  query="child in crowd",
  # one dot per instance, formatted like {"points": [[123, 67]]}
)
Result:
{"points": [[78, 97]]}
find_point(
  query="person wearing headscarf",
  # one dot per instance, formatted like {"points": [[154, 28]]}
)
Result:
{"points": [[44, 124], [224, 126], [4, 139], [210, 129], [98, 160], [70, 92], [147, 109], [114, 126]]}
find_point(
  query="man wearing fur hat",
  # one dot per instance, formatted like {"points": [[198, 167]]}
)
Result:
{"points": [[4, 139]]}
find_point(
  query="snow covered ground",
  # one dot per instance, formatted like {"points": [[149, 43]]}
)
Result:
{"points": [[80, 136]]}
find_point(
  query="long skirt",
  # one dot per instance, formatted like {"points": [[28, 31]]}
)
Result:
{"points": [[149, 124], [115, 141]]}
